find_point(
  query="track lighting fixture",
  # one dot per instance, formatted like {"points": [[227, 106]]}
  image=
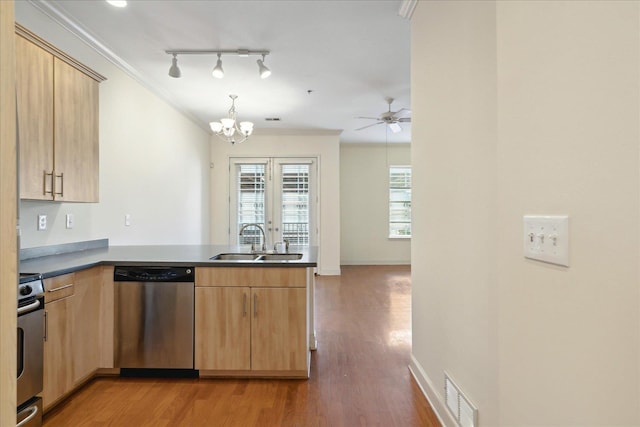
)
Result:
{"points": [[262, 69], [174, 71], [217, 71], [227, 127]]}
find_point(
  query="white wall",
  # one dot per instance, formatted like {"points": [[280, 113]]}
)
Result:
{"points": [[323, 145], [364, 204], [528, 108], [154, 163]]}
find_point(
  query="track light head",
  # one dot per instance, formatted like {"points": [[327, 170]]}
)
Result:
{"points": [[262, 69], [174, 71], [218, 72]]}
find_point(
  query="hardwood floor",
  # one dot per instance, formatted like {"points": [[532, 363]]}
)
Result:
{"points": [[359, 374]]}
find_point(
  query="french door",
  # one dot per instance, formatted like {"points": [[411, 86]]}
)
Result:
{"points": [[279, 194]]}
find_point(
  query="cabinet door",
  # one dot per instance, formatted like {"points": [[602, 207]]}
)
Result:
{"points": [[58, 365], [75, 135], [34, 92], [222, 328], [278, 329], [86, 341]]}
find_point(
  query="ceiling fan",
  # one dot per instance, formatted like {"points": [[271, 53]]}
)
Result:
{"points": [[390, 118]]}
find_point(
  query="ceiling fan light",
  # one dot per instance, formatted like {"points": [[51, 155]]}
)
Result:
{"points": [[218, 72], [216, 126], [395, 128], [263, 69], [174, 71]]}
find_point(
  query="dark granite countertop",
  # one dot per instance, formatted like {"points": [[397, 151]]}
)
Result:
{"points": [[156, 255]]}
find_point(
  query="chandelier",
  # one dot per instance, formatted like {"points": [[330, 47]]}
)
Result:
{"points": [[228, 128]]}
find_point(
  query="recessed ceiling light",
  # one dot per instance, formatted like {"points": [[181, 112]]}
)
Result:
{"points": [[117, 3]]}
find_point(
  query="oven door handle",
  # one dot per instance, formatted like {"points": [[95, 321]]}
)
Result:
{"points": [[33, 409], [35, 304]]}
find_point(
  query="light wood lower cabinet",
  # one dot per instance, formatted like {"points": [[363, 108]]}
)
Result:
{"points": [[74, 331], [256, 326], [58, 350], [278, 329], [223, 328], [86, 341]]}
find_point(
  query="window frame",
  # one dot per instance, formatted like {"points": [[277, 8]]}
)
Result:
{"points": [[390, 201]]}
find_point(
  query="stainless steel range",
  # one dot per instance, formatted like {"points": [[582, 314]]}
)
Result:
{"points": [[30, 349]]}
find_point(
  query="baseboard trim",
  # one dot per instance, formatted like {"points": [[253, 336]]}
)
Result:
{"points": [[377, 262], [429, 391], [329, 272]]}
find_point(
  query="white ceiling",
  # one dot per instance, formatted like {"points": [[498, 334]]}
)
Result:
{"points": [[349, 54]]}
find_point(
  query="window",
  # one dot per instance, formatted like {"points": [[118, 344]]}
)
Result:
{"points": [[277, 194], [399, 201]]}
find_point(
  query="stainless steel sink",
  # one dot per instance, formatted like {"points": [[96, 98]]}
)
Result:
{"points": [[234, 257], [279, 257]]}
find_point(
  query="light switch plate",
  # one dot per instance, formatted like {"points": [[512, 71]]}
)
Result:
{"points": [[546, 238]]}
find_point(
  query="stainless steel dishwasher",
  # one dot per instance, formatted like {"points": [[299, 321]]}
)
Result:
{"points": [[154, 317]]}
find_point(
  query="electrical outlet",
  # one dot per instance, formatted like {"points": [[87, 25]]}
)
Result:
{"points": [[42, 222], [70, 221]]}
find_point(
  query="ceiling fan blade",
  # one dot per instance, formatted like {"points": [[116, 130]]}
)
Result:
{"points": [[395, 128], [371, 118], [368, 126], [405, 120], [403, 112]]}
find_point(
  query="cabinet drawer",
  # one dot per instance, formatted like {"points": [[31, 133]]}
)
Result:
{"points": [[58, 287], [281, 277]]}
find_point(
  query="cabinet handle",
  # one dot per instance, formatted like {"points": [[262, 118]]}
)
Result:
{"points": [[255, 305], [44, 182], [46, 325], [244, 305], [61, 176], [59, 288]]}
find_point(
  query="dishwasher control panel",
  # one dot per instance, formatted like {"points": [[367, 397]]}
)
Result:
{"points": [[153, 274]]}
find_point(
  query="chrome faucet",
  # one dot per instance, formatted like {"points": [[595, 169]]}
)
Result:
{"points": [[264, 237], [286, 246]]}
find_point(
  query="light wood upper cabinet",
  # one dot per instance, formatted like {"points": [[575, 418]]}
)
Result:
{"points": [[57, 123], [35, 117], [75, 135]]}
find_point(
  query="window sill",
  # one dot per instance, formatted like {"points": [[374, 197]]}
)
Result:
{"points": [[399, 237]]}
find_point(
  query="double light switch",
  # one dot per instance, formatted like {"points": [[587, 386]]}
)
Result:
{"points": [[546, 238]]}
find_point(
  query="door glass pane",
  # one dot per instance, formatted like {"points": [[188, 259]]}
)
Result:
{"points": [[295, 204], [251, 201]]}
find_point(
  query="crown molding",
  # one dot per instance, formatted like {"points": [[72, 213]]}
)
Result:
{"points": [[59, 17]]}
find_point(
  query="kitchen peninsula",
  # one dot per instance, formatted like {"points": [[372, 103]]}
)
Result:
{"points": [[252, 317]]}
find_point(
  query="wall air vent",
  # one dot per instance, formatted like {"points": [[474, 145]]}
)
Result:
{"points": [[460, 407], [273, 119]]}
